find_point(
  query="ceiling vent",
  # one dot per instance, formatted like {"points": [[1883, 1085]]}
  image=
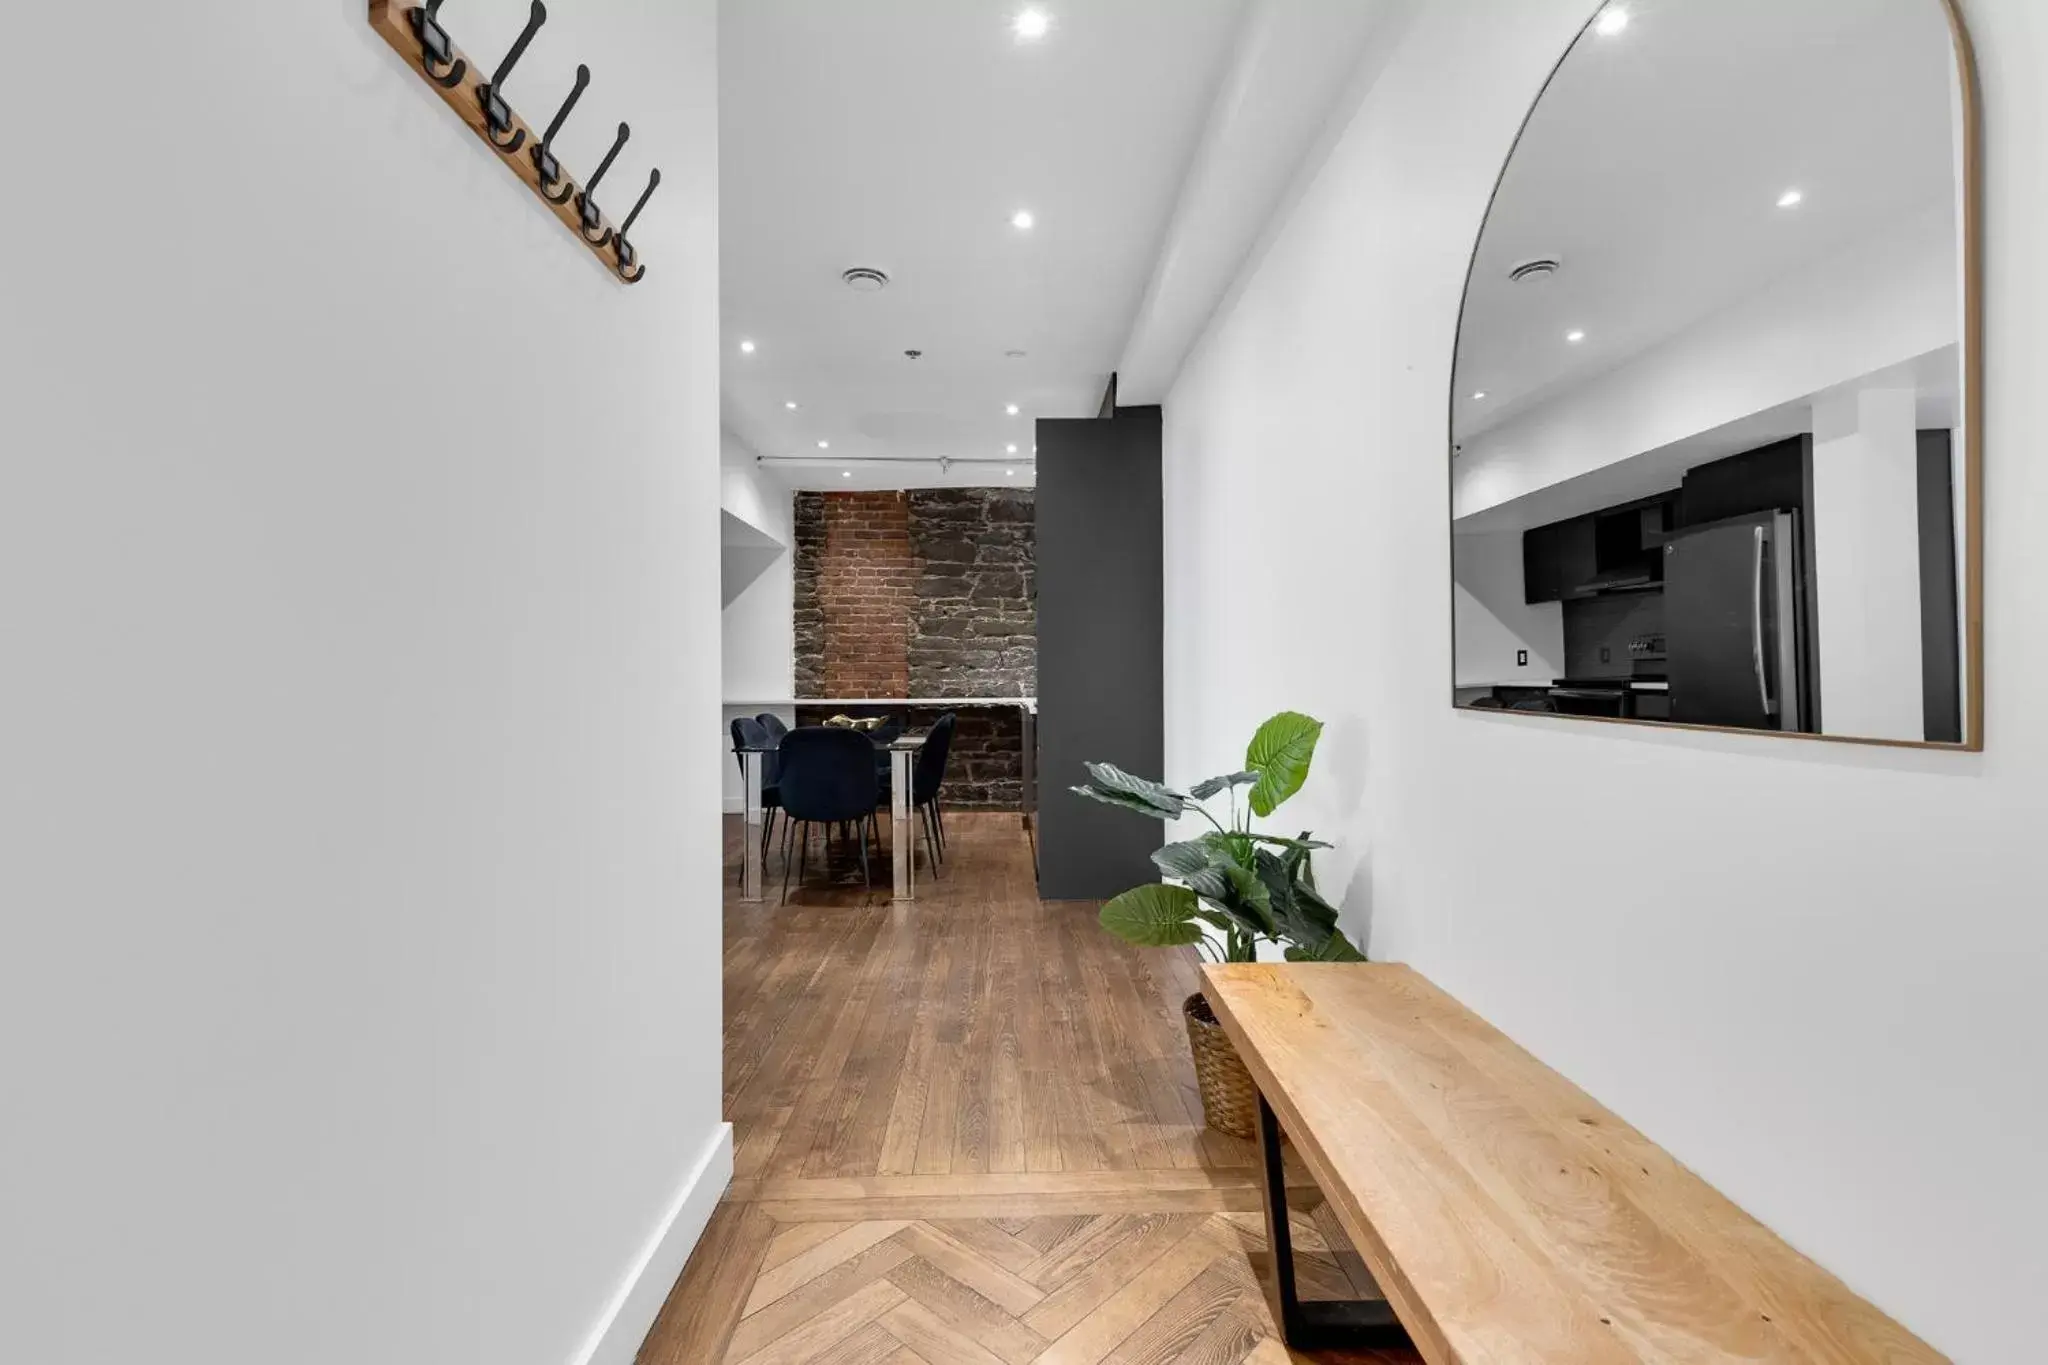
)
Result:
{"points": [[865, 279], [1542, 268]]}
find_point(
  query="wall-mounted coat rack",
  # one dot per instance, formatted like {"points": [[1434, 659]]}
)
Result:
{"points": [[415, 32]]}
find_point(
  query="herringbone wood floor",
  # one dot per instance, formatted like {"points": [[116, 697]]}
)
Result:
{"points": [[967, 1132]]}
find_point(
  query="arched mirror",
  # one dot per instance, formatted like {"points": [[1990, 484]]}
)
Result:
{"points": [[1714, 447]]}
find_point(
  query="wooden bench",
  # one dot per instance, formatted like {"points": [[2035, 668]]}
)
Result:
{"points": [[1505, 1215]]}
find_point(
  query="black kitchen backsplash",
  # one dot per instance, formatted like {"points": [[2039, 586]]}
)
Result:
{"points": [[1612, 624]]}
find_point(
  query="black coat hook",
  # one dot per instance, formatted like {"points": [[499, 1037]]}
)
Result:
{"points": [[624, 248], [497, 113], [436, 47], [543, 156], [586, 205]]}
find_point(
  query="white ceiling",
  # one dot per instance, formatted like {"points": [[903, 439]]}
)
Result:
{"points": [[1653, 162], [903, 134]]}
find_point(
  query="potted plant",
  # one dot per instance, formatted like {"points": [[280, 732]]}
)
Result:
{"points": [[1246, 886]]}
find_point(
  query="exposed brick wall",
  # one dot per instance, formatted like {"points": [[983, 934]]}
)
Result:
{"points": [[856, 588], [932, 593]]}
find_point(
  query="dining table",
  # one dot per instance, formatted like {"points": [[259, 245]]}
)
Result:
{"points": [[902, 752]]}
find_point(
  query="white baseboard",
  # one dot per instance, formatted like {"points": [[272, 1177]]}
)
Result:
{"points": [[735, 804], [632, 1310]]}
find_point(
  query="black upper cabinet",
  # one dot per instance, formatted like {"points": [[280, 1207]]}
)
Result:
{"points": [[1539, 565], [1558, 559], [1609, 550], [1770, 478]]}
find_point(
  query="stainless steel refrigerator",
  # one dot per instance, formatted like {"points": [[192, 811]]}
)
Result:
{"points": [[1735, 622]]}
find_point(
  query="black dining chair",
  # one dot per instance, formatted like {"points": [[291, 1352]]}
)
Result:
{"points": [[928, 776], [882, 736], [751, 734], [827, 778], [774, 725]]}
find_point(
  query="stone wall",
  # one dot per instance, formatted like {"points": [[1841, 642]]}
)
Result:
{"points": [[930, 593], [974, 631]]}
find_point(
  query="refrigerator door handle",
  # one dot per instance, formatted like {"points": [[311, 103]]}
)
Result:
{"points": [[1756, 626]]}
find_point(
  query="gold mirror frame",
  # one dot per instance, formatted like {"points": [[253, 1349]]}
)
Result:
{"points": [[1970, 245]]}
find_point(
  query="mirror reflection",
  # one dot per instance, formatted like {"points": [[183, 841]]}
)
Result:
{"points": [[1710, 463]]}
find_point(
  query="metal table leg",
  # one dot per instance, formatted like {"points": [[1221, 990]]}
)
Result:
{"points": [[750, 831], [1028, 727], [1314, 1324], [902, 829]]}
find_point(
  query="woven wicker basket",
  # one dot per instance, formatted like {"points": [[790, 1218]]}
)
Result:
{"points": [[1230, 1100]]}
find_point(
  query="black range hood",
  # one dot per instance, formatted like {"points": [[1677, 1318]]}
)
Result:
{"points": [[1628, 551], [1627, 578]]}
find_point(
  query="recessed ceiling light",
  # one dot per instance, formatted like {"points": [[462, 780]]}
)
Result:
{"points": [[1010, 450], [1612, 20], [1789, 198], [1031, 24], [846, 473], [1022, 220], [1011, 409], [1011, 472], [791, 405], [824, 445], [1574, 336], [746, 348], [1479, 395]]}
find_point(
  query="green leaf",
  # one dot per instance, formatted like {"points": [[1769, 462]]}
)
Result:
{"points": [[1313, 910], [1209, 786], [1109, 777], [1250, 888], [1231, 848], [1154, 916], [1249, 900], [1335, 948], [1183, 860], [1280, 752], [1122, 801], [1300, 915], [1234, 914], [1276, 876], [1304, 842], [1198, 865]]}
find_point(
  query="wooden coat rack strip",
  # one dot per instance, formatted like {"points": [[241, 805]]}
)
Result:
{"points": [[392, 19]]}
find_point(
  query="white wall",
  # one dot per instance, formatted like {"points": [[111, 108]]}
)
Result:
{"points": [[358, 541], [1826, 984], [759, 626], [1884, 300], [1494, 618], [1865, 524]]}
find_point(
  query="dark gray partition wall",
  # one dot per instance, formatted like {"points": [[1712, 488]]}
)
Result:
{"points": [[1100, 645]]}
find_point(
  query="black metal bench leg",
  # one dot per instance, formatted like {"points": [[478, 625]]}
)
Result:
{"points": [[1315, 1324]]}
